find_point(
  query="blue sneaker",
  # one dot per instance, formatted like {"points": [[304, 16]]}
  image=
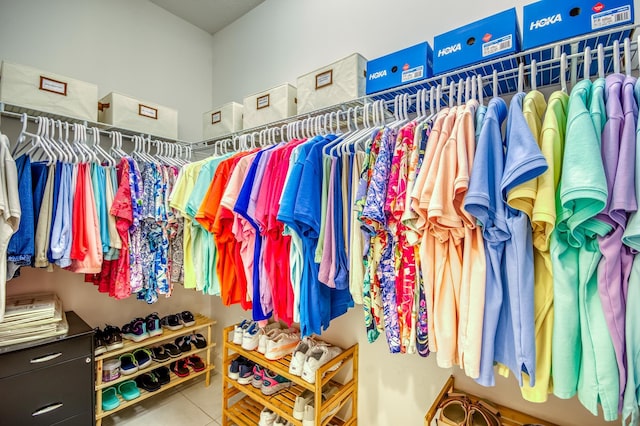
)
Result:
{"points": [[234, 368], [136, 330], [152, 321], [245, 375], [251, 337]]}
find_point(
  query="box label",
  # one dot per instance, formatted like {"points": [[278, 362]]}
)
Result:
{"points": [[147, 111], [262, 101], [216, 117], [324, 79], [53, 86], [498, 45], [611, 17], [413, 74]]}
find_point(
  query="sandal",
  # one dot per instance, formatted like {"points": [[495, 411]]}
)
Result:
{"points": [[128, 390], [171, 322], [454, 410], [172, 350], [198, 340], [143, 357], [162, 374], [148, 382], [180, 368], [483, 414], [186, 318], [195, 362], [110, 399], [183, 343], [159, 354], [128, 364]]}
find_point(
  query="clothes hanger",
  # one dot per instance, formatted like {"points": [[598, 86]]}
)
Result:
{"points": [[616, 57], [438, 97], [37, 149], [627, 56], [534, 74], [563, 72], [474, 87], [480, 90], [601, 59], [495, 83], [49, 140], [520, 78]]}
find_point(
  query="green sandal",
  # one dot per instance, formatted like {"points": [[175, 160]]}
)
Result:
{"points": [[128, 390], [110, 399]]}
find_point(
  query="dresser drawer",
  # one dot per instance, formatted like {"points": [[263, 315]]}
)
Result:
{"points": [[84, 419], [45, 355], [48, 395]]}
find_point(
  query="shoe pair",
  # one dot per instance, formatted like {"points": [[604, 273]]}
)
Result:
{"points": [[127, 390], [177, 321], [132, 362], [304, 406], [309, 356], [185, 342], [108, 339], [164, 352], [458, 409], [241, 370], [181, 367]]}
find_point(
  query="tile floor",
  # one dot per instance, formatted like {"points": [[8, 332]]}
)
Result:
{"points": [[188, 404]]}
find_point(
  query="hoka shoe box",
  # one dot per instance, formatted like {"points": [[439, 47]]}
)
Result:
{"points": [[269, 106], [548, 21], [405, 66], [222, 121], [32, 88], [339, 82], [140, 116], [483, 40]]}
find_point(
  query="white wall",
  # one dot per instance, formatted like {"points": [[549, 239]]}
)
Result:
{"points": [[282, 39], [132, 47]]}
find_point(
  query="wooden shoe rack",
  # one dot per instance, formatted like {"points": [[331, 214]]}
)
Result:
{"points": [[167, 336], [246, 411]]}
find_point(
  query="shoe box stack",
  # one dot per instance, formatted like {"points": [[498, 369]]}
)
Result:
{"points": [[31, 317], [138, 330], [275, 341]]}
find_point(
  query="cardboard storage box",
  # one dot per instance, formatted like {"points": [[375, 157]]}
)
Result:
{"points": [[140, 116], [32, 88], [339, 82], [483, 40], [222, 121], [271, 105], [405, 66]]}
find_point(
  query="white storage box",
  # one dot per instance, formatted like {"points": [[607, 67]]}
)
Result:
{"points": [[222, 121], [268, 106], [140, 116], [333, 84], [32, 88]]}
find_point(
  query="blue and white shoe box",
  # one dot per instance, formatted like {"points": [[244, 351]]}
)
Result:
{"points": [[549, 21], [405, 66]]}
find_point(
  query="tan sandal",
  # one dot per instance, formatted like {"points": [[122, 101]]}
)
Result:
{"points": [[483, 414], [454, 410]]}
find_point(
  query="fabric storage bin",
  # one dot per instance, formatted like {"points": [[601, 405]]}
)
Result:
{"points": [[30, 87], [271, 105], [341, 81], [140, 116], [222, 121]]}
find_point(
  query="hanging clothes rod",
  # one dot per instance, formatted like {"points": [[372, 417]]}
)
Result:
{"points": [[506, 69], [18, 112]]}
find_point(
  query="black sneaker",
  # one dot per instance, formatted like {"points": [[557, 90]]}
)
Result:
{"points": [[112, 338], [98, 342], [186, 318], [171, 322], [153, 324]]}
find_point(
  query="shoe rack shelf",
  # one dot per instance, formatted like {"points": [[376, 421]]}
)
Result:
{"points": [[508, 416], [167, 336], [246, 411]]}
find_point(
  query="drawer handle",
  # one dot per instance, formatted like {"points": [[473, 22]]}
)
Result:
{"points": [[45, 358], [47, 409]]}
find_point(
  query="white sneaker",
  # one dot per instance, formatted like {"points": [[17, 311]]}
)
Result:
{"points": [[267, 417], [250, 337], [318, 356], [300, 353], [272, 329], [282, 345], [238, 332], [302, 401], [270, 335], [281, 422], [309, 410]]}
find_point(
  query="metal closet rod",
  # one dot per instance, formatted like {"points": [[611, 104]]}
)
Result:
{"points": [[574, 59], [89, 125]]}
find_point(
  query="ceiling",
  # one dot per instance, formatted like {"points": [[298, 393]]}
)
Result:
{"points": [[210, 15]]}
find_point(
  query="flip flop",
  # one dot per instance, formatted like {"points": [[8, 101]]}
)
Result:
{"points": [[179, 368], [162, 374], [172, 350], [195, 362], [128, 390], [198, 340], [110, 399], [148, 382]]}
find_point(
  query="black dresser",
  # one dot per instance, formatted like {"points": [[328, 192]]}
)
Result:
{"points": [[50, 383]]}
